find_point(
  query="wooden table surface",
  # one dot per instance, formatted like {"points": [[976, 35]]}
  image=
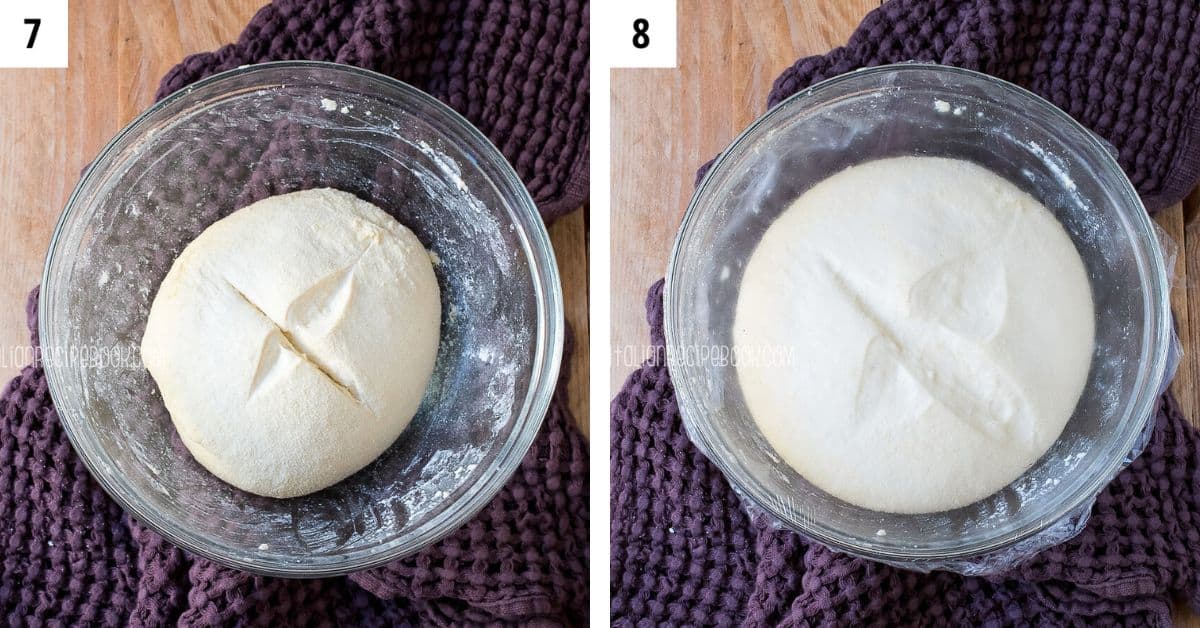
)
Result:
{"points": [[667, 122], [54, 121]]}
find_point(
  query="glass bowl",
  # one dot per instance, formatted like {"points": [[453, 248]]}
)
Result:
{"points": [[921, 109], [261, 130]]}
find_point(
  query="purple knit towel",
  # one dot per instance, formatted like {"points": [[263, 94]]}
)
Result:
{"points": [[68, 554], [683, 549]]}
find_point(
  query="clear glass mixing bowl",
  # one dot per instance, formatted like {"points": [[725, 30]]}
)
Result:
{"points": [[256, 131], [921, 109]]}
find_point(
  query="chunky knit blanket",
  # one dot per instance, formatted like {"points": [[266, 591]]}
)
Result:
{"points": [[685, 551], [69, 556]]}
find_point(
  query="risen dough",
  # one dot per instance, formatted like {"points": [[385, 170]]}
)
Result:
{"points": [[937, 325], [292, 341]]}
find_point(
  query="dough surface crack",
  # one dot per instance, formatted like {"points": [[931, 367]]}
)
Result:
{"points": [[914, 358], [320, 306], [270, 359]]}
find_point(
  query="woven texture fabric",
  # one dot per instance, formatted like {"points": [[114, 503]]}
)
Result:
{"points": [[1129, 71], [517, 70], [70, 556], [684, 551]]}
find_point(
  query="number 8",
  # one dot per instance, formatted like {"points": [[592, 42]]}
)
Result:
{"points": [[641, 37]]}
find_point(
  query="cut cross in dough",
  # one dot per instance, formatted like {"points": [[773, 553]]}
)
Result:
{"points": [[942, 327], [293, 340]]}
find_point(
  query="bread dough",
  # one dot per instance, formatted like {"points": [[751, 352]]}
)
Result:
{"points": [[293, 340], [932, 328]]}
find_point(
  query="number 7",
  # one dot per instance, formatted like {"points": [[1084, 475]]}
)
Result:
{"points": [[37, 22]]}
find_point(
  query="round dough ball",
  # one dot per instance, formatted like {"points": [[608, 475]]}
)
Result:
{"points": [[934, 326], [293, 340]]}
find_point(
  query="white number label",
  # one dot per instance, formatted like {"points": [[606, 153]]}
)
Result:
{"points": [[33, 33], [635, 34]]}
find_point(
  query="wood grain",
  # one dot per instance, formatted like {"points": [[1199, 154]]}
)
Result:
{"points": [[53, 122], [667, 122], [1184, 232], [569, 236]]}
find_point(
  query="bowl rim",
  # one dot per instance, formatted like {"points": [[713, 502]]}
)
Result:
{"points": [[1156, 338], [534, 243]]}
